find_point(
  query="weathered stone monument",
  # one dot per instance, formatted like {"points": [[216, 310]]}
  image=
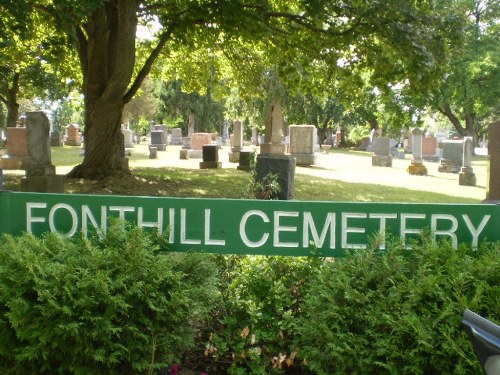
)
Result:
{"points": [[198, 140], [17, 154], [225, 132], [56, 139], [210, 157], [176, 136], [40, 173], [128, 138], [255, 136], [493, 186], [303, 141], [245, 160], [159, 137], [382, 150], [417, 166], [453, 151], [466, 176], [73, 136], [186, 146], [272, 158], [430, 148], [237, 144], [191, 124]]}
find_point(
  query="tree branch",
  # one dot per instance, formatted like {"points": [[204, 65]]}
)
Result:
{"points": [[3, 99], [164, 37]]}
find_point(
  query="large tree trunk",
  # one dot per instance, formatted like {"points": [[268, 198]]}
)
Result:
{"points": [[470, 121], [107, 56], [11, 103]]}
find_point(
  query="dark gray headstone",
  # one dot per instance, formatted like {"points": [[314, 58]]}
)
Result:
{"points": [[281, 165]]}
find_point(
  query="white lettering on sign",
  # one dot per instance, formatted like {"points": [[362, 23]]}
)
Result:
{"points": [[29, 215], [278, 229], [476, 231], [208, 240], [243, 231], [450, 232], [183, 228], [74, 218], [309, 226], [404, 230], [346, 229]]}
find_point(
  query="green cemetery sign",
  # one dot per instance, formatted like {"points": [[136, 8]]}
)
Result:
{"points": [[252, 226]]}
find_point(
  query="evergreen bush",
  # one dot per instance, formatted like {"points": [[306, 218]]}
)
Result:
{"points": [[398, 312], [115, 305]]}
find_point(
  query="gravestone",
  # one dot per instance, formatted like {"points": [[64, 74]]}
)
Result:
{"points": [[176, 138], [40, 173], [73, 136], [153, 152], [382, 150], [417, 166], [191, 121], [273, 131], [303, 141], [237, 144], [225, 132], [466, 176], [430, 149], [56, 139], [210, 157], [493, 186], [245, 160], [17, 154], [365, 144], [186, 146], [272, 158], [198, 140], [255, 136], [329, 137], [128, 140], [451, 160], [158, 138]]}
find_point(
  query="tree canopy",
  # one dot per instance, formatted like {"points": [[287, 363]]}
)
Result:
{"points": [[311, 45]]}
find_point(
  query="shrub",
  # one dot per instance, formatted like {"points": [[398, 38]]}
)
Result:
{"points": [[399, 312], [98, 306], [254, 324]]}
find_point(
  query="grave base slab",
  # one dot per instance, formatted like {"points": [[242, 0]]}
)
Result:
{"points": [[210, 164], [381, 161], [305, 160], [43, 184], [466, 177], [417, 169], [13, 162]]}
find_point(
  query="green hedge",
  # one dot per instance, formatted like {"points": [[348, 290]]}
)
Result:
{"points": [[398, 312], [98, 306]]}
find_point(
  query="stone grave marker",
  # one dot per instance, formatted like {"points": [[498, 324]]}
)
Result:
{"points": [[272, 158], [210, 157], [128, 139], [225, 132], [451, 160], [237, 142], [17, 153], [466, 176], [303, 141], [73, 135], [245, 159], [430, 149], [417, 166], [176, 138], [40, 173], [198, 140], [158, 138], [382, 150]]}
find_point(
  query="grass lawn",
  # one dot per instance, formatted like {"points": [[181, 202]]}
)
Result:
{"points": [[178, 181]]}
